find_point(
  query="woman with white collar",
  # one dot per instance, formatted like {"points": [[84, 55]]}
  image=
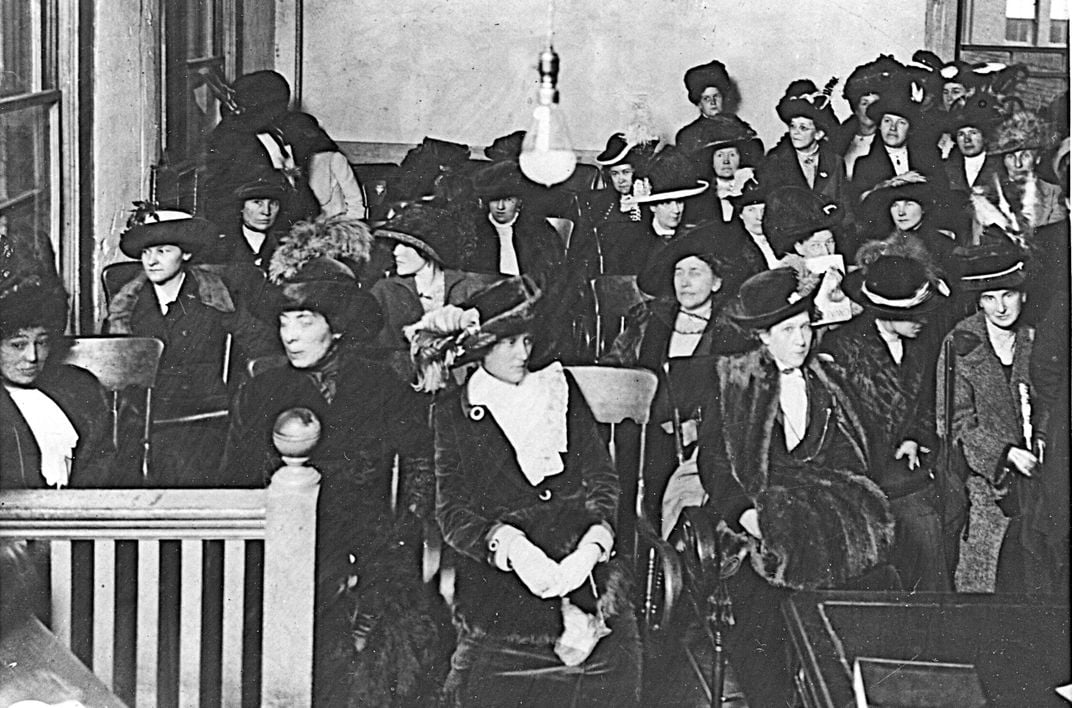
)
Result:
{"points": [[54, 428], [528, 496], [992, 395]]}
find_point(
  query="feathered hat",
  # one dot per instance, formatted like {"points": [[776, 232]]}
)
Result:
{"points": [[803, 99], [981, 110], [429, 230], [1023, 130], [877, 77], [452, 336], [315, 269]]}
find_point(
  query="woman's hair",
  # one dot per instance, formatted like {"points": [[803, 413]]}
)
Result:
{"points": [[33, 303]]}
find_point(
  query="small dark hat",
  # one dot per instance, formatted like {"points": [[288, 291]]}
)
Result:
{"points": [[767, 298], [616, 151], [895, 287], [877, 77], [261, 89], [505, 147], [657, 278], [429, 230], [499, 180], [328, 286], [266, 185], [673, 177], [897, 103], [713, 73], [804, 99], [793, 214], [980, 110], [172, 228], [998, 264], [723, 131]]}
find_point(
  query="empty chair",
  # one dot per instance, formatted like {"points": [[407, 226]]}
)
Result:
{"points": [[119, 363], [614, 296]]}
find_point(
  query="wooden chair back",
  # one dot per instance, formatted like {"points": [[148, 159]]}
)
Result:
{"points": [[281, 518], [116, 275], [564, 227], [614, 296], [118, 363]]}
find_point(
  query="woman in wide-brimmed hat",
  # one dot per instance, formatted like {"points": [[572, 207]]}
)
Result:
{"points": [[992, 392], [376, 629], [804, 157], [783, 460], [726, 158], [801, 225], [192, 309], [885, 359], [528, 497], [423, 241], [907, 213]]}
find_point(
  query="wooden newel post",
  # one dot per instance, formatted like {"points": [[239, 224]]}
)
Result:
{"points": [[290, 564]]}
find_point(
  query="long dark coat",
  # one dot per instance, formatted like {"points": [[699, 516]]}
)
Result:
{"points": [[480, 486], [876, 165], [782, 168], [82, 399]]}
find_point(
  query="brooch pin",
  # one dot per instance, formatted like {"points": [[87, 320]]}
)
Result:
{"points": [[476, 413]]}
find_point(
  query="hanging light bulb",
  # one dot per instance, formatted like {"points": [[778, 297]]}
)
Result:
{"points": [[547, 155]]}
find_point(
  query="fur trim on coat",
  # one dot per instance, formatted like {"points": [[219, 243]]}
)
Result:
{"points": [[211, 291]]}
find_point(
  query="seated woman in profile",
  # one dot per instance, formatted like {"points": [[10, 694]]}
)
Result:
{"points": [[54, 418], [528, 496], [377, 627]]}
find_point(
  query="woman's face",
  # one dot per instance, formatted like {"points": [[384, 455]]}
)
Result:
{"points": [[860, 109], [725, 162], [621, 178], [260, 214], [789, 341], [803, 133], [1020, 164], [894, 130], [752, 218], [1002, 307], [906, 213], [504, 210], [23, 355], [820, 243], [408, 260], [694, 282], [307, 337], [710, 102], [508, 358], [951, 92], [163, 263]]}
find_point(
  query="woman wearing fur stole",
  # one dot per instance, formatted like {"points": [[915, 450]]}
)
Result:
{"points": [[528, 496], [378, 626], [783, 458]]}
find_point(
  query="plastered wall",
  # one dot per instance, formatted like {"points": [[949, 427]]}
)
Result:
{"points": [[465, 69]]}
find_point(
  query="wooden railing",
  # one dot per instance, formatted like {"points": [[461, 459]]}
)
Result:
{"points": [[283, 517]]}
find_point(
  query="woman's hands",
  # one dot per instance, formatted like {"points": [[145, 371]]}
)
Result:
{"points": [[577, 566], [1021, 460], [540, 574]]}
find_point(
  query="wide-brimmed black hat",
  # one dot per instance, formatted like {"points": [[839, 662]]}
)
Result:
{"points": [[168, 228], [617, 150], [673, 177], [883, 197], [878, 77], [713, 73], [895, 287], [998, 264], [804, 99], [723, 131], [429, 230], [980, 110], [896, 103], [266, 185], [767, 298], [505, 147], [657, 278], [328, 286], [499, 180], [795, 213]]}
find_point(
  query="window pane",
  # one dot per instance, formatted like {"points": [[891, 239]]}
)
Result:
{"points": [[1020, 30], [20, 47], [1058, 31], [25, 181], [1020, 9]]}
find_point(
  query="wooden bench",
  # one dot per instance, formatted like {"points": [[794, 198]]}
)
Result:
{"points": [[282, 517]]}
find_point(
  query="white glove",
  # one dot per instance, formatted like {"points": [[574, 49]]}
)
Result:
{"points": [[577, 566], [540, 574]]}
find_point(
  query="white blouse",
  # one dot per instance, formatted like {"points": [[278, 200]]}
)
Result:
{"points": [[51, 428]]}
